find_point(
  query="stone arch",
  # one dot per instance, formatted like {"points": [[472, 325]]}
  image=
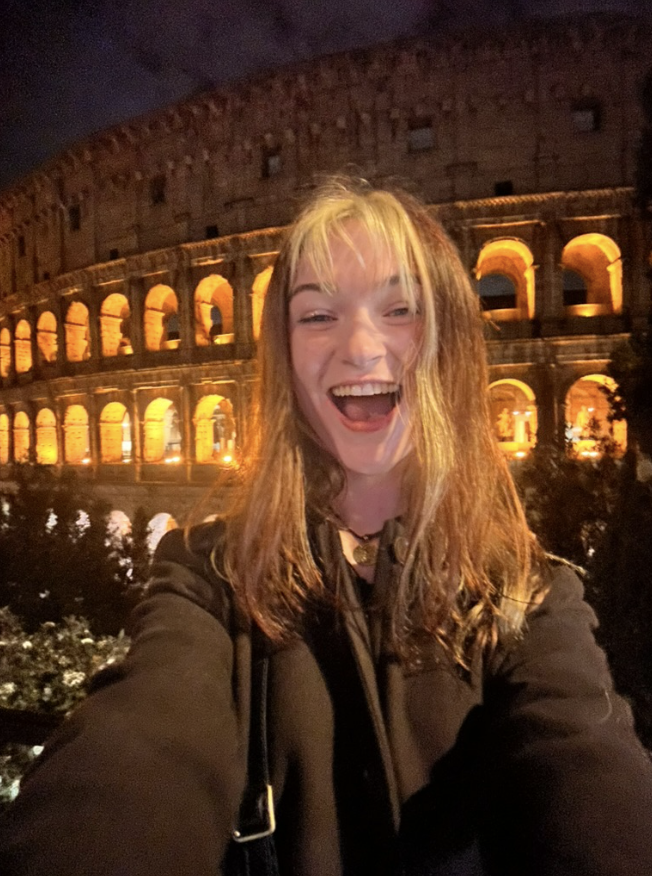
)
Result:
{"points": [[47, 341], [258, 293], [47, 444], [76, 437], [161, 309], [214, 430], [22, 438], [213, 297], [596, 259], [4, 439], [115, 434], [162, 432], [5, 352], [23, 342], [115, 328], [512, 259], [77, 335], [587, 417], [158, 526], [514, 416]]}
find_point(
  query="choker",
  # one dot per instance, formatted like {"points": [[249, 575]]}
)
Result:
{"points": [[366, 552]]}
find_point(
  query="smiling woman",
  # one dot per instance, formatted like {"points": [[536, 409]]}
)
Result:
{"points": [[436, 701]]}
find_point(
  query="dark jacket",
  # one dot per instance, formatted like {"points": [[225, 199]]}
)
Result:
{"points": [[526, 766]]}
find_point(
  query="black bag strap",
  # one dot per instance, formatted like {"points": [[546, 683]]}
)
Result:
{"points": [[256, 819]]}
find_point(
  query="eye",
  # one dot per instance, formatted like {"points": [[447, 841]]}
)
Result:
{"points": [[401, 311], [315, 318]]}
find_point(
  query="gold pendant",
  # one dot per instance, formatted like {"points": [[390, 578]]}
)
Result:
{"points": [[365, 554]]}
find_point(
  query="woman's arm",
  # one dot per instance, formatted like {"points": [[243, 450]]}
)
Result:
{"points": [[570, 787], [145, 777]]}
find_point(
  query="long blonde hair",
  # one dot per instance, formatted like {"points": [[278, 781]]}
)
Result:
{"points": [[472, 565]]}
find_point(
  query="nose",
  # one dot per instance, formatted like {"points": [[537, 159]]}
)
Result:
{"points": [[361, 342]]}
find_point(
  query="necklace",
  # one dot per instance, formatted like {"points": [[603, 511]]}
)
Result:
{"points": [[366, 552]]}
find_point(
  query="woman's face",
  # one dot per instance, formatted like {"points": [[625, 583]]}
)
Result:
{"points": [[350, 347]]}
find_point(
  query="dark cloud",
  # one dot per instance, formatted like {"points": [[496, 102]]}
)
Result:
{"points": [[71, 67]]}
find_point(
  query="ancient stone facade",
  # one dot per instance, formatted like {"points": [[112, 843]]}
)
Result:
{"points": [[133, 268]]}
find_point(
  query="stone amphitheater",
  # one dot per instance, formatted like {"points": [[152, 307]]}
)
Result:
{"points": [[133, 267]]}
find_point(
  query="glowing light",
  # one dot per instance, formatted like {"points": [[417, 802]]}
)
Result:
{"points": [[227, 459], [520, 454], [173, 459], [86, 460]]}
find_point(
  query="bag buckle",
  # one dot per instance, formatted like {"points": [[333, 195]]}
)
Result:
{"points": [[263, 822]]}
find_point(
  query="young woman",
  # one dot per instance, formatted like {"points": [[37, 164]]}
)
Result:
{"points": [[436, 701]]}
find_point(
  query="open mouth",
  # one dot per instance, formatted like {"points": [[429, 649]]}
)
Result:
{"points": [[365, 402]]}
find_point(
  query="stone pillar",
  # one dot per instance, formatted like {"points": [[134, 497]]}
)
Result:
{"points": [[136, 434], [94, 340], [187, 449], [181, 282], [93, 406], [549, 288], [135, 290]]}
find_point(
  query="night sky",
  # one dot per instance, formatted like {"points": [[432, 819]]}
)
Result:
{"points": [[71, 67]]}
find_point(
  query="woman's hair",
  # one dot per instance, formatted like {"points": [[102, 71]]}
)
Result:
{"points": [[471, 567]]}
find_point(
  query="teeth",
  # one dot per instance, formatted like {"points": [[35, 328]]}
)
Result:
{"points": [[365, 389]]}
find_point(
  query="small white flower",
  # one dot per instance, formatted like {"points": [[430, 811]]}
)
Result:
{"points": [[27, 645], [7, 688], [72, 678], [86, 641]]}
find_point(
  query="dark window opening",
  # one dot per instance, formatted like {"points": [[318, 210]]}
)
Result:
{"points": [[272, 164], [113, 255], [216, 322], [21, 245], [74, 217], [587, 117], [46, 275], [497, 292], [212, 231], [157, 187], [172, 328], [575, 291], [503, 188], [421, 136]]}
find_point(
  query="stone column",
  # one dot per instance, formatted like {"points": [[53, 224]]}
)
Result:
{"points": [[181, 282], [135, 290]]}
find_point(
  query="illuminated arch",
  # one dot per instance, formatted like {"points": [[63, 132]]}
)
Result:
{"points": [[4, 439], [5, 352], [161, 311], [47, 445], [161, 432], [512, 259], [595, 258], [514, 416], [158, 526], [258, 293], [587, 417], [213, 311], [77, 337], [115, 328], [76, 446], [118, 526], [214, 430], [23, 341], [22, 441], [46, 337], [115, 434]]}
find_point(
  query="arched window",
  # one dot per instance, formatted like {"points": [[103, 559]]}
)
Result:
{"points": [[588, 429], [214, 430], [4, 439], [514, 415], [115, 318], [505, 274], [46, 337], [162, 432], [22, 442], [161, 320], [115, 434], [23, 338], [592, 261], [213, 311], [5, 352], [76, 443], [258, 293], [77, 337], [47, 449]]}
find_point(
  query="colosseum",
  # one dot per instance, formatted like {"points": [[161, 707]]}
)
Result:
{"points": [[133, 267]]}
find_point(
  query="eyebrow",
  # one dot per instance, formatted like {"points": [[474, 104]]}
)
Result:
{"points": [[394, 280]]}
